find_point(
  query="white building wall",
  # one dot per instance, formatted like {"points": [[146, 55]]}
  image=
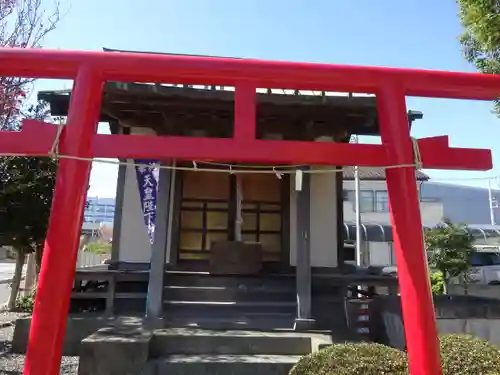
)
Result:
{"points": [[323, 220], [323, 232], [134, 242]]}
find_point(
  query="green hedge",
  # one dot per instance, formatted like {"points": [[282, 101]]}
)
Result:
{"points": [[468, 355], [460, 355], [353, 359]]}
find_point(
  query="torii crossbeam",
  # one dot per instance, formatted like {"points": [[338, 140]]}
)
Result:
{"points": [[79, 143]]}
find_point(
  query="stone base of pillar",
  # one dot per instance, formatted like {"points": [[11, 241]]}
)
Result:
{"points": [[303, 324], [153, 323]]}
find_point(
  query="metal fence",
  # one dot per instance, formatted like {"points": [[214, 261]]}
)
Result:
{"points": [[88, 259]]}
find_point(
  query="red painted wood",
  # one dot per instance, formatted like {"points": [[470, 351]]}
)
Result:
{"points": [[411, 260], [137, 67], [57, 273], [245, 119], [435, 151], [35, 139]]}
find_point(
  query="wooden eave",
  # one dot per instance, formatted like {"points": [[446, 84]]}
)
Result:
{"points": [[182, 109], [160, 106]]}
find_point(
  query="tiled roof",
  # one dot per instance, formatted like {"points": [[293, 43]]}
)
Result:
{"points": [[374, 173]]}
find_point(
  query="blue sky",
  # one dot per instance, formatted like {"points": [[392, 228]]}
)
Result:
{"points": [[410, 33]]}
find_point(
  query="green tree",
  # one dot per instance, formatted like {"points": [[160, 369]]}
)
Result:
{"points": [[26, 189], [23, 24], [481, 37], [25, 183], [437, 283], [449, 250]]}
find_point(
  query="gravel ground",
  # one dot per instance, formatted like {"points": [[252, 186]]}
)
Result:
{"points": [[12, 364]]}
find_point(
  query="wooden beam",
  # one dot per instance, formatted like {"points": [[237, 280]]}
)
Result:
{"points": [[176, 69], [36, 139], [245, 119]]}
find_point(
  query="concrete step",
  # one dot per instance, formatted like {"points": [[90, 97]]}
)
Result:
{"points": [[209, 342], [218, 308], [205, 279], [225, 364], [224, 293], [259, 322]]}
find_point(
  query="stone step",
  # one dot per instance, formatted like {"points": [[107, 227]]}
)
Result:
{"points": [[209, 342], [225, 364], [224, 293], [205, 279], [260, 322], [218, 308]]}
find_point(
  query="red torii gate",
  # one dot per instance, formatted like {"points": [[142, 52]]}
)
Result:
{"points": [[78, 143]]}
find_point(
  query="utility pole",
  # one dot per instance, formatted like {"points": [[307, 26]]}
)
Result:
{"points": [[359, 237], [491, 201], [357, 208]]}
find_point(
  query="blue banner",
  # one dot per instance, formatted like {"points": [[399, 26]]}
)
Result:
{"points": [[147, 180]]}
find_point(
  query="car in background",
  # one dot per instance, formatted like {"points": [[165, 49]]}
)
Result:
{"points": [[485, 268]]}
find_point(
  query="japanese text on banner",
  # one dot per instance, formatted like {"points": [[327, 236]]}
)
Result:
{"points": [[147, 179]]}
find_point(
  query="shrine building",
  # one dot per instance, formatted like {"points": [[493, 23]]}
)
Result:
{"points": [[223, 226]]}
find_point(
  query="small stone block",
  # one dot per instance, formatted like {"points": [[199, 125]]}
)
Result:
{"points": [[118, 350], [235, 258]]}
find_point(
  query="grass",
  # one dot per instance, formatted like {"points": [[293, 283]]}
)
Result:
{"points": [[98, 247]]}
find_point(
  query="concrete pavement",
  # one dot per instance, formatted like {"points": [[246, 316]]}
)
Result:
{"points": [[4, 294], [6, 271]]}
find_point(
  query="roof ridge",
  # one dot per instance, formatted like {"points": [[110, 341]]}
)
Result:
{"points": [[105, 49]]}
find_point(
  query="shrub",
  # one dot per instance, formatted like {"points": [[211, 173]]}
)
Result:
{"points": [[353, 359], [468, 355], [26, 303], [437, 283], [460, 355]]}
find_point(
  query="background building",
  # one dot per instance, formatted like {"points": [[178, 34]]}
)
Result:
{"points": [[374, 201], [466, 204], [100, 210]]}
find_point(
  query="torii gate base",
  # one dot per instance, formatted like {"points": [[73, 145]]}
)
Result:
{"points": [[79, 142]]}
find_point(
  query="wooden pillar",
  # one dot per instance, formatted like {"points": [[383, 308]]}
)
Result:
{"points": [[154, 304], [303, 264], [174, 220]]}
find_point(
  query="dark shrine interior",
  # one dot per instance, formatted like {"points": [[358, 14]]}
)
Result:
{"points": [[209, 111]]}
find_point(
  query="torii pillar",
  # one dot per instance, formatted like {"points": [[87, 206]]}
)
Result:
{"points": [[61, 245], [416, 303]]}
